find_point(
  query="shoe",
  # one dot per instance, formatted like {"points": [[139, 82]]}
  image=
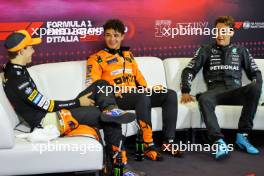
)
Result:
{"points": [[222, 149], [152, 153], [116, 115], [243, 143], [167, 147], [130, 171]]}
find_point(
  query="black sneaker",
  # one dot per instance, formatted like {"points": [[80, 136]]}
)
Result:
{"points": [[167, 147], [151, 152]]}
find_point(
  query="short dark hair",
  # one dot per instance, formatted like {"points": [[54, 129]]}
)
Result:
{"points": [[12, 55], [227, 20], [115, 24]]}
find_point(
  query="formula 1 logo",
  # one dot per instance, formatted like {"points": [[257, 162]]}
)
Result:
{"points": [[68, 31], [161, 26], [7, 28], [249, 25]]}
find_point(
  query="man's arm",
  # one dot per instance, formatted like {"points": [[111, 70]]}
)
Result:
{"points": [[189, 73], [33, 97], [252, 71], [93, 70]]}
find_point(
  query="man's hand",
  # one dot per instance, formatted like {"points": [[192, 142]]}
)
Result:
{"points": [[186, 98], [119, 95], [86, 101]]}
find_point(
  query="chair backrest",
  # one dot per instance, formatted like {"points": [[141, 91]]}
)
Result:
{"points": [[60, 81], [153, 70], [8, 119]]}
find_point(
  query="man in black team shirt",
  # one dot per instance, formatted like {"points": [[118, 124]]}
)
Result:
{"points": [[222, 64], [77, 114]]}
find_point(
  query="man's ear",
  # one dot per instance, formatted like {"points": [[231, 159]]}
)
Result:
{"points": [[122, 36], [232, 32], [21, 52]]}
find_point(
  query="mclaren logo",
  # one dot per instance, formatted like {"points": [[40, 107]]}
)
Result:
{"points": [[224, 67]]}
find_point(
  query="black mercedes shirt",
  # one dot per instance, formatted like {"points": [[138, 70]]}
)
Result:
{"points": [[222, 66]]}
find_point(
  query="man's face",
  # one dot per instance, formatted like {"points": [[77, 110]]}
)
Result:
{"points": [[224, 34], [27, 54], [113, 38]]}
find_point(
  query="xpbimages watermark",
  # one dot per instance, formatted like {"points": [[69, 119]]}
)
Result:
{"points": [[68, 31], [174, 148], [63, 147], [131, 89], [165, 28]]}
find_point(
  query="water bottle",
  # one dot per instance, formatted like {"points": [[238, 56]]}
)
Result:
{"points": [[118, 166]]}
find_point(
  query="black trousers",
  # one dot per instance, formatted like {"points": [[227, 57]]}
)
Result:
{"points": [[142, 104], [99, 89], [90, 115], [247, 96]]}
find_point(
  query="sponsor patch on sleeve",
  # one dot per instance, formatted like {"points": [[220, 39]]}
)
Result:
{"points": [[89, 80], [46, 104], [51, 106], [89, 68], [23, 85], [28, 91], [42, 101], [37, 99], [33, 95]]}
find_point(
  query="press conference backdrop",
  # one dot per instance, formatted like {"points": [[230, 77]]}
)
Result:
{"points": [[72, 30]]}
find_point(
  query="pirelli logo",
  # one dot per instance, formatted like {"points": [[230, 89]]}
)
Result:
{"points": [[33, 95], [51, 106]]}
